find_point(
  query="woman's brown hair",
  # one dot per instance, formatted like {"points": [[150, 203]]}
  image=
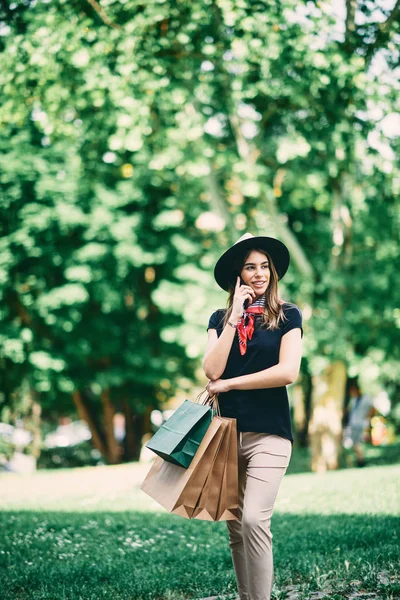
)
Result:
{"points": [[273, 311]]}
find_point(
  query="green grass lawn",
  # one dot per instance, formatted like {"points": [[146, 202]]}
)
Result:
{"points": [[90, 533]]}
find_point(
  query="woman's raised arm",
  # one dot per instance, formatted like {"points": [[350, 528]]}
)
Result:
{"points": [[218, 349], [217, 352]]}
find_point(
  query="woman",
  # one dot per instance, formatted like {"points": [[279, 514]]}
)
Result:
{"points": [[252, 354]]}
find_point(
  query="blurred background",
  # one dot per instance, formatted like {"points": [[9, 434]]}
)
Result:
{"points": [[138, 142]]}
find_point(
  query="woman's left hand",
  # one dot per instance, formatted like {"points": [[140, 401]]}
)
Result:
{"points": [[218, 386]]}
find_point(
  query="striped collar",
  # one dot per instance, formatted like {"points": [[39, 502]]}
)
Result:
{"points": [[259, 301]]}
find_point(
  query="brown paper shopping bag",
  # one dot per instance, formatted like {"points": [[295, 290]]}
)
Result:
{"points": [[207, 504], [177, 489], [228, 506], [219, 499], [192, 492]]}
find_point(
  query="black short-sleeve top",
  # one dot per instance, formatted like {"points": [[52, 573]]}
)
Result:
{"points": [[263, 410]]}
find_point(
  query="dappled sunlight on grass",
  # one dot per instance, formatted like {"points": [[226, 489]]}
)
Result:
{"points": [[91, 533], [87, 488], [372, 490], [116, 488]]}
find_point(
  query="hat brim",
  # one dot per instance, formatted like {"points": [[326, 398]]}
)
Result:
{"points": [[224, 272]]}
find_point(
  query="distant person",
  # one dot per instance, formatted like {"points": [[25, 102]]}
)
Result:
{"points": [[360, 410], [253, 353]]}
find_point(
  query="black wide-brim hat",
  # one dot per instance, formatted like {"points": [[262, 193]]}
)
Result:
{"points": [[224, 271]]}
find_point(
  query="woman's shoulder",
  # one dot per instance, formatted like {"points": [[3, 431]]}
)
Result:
{"points": [[287, 307], [216, 319], [221, 311]]}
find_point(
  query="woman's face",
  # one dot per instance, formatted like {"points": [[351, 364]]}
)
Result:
{"points": [[255, 272]]}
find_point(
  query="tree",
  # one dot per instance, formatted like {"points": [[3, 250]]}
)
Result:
{"points": [[151, 138]]}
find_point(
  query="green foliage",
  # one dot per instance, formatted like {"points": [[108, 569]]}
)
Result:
{"points": [[82, 455], [139, 141]]}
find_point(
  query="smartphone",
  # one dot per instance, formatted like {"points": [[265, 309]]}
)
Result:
{"points": [[246, 302]]}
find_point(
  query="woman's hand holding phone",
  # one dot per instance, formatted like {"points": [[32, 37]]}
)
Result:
{"points": [[242, 294]]}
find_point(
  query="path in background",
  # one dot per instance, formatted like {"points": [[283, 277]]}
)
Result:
{"points": [[116, 488]]}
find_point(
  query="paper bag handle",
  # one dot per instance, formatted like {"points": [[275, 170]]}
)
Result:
{"points": [[211, 400]]}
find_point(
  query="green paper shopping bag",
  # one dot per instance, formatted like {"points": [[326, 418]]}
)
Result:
{"points": [[179, 438]]}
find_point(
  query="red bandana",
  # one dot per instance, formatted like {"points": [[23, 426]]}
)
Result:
{"points": [[246, 331]]}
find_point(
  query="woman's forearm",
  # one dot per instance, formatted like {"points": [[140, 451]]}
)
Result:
{"points": [[215, 360], [276, 376]]}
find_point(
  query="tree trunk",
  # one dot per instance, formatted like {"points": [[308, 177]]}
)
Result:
{"points": [[113, 448], [36, 430], [325, 430], [85, 415], [302, 408], [306, 392], [297, 401], [129, 444], [136, 425], [351, 7]]}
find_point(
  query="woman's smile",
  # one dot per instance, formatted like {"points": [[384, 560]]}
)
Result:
{"points": [[257, 265]]}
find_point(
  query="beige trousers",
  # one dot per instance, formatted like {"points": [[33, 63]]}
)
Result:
{"points": [[263, 459]]}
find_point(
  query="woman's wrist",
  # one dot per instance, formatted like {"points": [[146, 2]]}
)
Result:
{"points": [[232, 322], [230, 384], [234, 319], [227, 385]]}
